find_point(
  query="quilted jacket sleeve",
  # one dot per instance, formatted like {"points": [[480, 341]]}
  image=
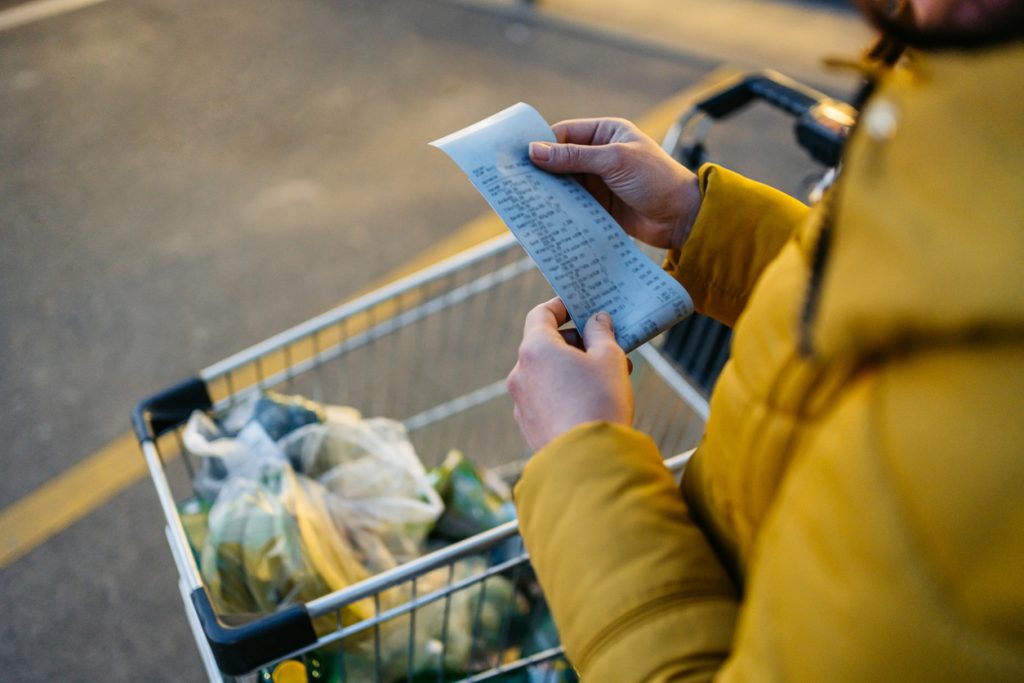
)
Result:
{"points": [[636, 591], [894, 547], [741, 227]]}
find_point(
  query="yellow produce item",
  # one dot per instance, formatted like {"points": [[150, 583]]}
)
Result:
{"points": [[289, 671]]}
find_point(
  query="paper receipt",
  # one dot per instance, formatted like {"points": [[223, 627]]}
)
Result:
{"points": [[590, 262]]}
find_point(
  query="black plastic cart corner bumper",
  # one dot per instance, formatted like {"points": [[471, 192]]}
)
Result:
{"points": [[171, 407], [240, 649], [236, 649]]}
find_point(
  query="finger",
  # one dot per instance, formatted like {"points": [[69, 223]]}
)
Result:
{"points": [[572, 338], [546, 318], [597, 189], [593, 131], [573, 158], [629, 365], [512, 381], [579, 131], [599, 332]]}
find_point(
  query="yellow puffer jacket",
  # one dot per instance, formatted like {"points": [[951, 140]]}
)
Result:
{"points": [[867, 493]]}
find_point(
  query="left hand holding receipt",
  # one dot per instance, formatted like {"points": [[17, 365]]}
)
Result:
{"points": [[556, 385]]}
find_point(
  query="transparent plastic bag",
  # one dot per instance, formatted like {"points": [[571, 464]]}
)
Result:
{"points": [[247, 432], [271, 543], [304, 500], [383, 496]]}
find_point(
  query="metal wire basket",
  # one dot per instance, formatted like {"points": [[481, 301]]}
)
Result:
{"points": [[432, 351]]}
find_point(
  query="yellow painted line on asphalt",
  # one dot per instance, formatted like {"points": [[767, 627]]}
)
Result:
{"points": [[472, 233], [29, 12], [68, 497], [94, 481]]}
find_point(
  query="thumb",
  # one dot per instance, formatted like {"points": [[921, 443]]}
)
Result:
{"points": [[598, 331], [570, 158]]}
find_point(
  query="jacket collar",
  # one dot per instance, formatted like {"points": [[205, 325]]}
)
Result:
{"points": [[928, 238]]}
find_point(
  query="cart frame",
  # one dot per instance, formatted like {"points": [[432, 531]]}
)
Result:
{"points": [[236, 651]]}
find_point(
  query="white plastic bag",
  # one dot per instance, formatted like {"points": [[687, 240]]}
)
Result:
{"points": [[224, 457], [244, 434], [379, 493], [271, 543], [381, 488]]}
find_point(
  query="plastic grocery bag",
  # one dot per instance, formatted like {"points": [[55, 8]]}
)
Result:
{"points": [[194, 514], [382, 495], [271, 543], [248, 431]]}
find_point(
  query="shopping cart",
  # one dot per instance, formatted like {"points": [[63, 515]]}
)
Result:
{"points": [[821, 126], [431, 350]]}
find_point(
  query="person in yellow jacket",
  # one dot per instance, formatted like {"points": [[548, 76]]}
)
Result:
{"points": [[855, 511]]}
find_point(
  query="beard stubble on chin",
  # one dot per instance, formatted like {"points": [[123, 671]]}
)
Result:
{"points": [[964, 24]]}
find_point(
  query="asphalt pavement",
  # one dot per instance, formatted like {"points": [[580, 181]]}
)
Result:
{"points": [[179, 180]]}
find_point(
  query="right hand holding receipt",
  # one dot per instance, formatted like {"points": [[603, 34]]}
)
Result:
{"points": [[651, 195]]}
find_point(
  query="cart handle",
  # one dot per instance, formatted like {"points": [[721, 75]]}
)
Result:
{"points": [[822, 123]]}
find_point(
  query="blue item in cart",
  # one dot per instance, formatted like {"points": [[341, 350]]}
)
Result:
{"points": [[247, 429], [279, 415]]}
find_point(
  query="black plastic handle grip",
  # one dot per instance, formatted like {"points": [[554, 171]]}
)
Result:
{"points": [[772, 87], [822, 123]]}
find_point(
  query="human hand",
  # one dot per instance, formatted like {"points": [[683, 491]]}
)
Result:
{"points": [[559, 382], [653, 197]]}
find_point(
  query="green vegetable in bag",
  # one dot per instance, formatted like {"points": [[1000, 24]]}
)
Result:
{"points": [[474, 501], [194, 514], [271, 543], [491, 607], [382, 497]]}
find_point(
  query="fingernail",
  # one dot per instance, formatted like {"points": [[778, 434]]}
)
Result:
{"points": [[604, 319], [541, 151]]}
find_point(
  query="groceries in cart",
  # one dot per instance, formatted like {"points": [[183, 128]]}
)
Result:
{"points": [[295, 500], [474, 500], [361, 473]]}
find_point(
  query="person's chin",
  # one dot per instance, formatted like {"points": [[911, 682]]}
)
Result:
{"points": [[972, 18], [970, 15]]}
